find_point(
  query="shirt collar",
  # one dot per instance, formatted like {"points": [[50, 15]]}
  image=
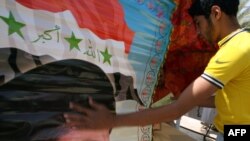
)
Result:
{"points": [[230, 36]]}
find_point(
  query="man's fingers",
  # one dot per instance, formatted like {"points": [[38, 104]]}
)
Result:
{"points": [[78, 108], [76, 120], [88, 118], [73, 117], [76, 125], [95, 105]]}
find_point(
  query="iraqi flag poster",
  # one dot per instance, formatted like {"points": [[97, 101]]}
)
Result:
{"points": [[57, 51], [125, 54]]}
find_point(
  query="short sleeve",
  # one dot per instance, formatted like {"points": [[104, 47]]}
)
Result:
{"points": [[226, 65]]}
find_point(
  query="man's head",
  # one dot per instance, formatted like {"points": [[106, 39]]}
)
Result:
{"points": [[210, 15]]}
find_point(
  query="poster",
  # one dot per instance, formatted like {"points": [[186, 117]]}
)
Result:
{"points": [[53, 52]]}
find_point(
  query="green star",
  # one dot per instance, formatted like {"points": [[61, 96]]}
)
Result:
{"points": [[73, 41], [106, 56], [14, 26]]}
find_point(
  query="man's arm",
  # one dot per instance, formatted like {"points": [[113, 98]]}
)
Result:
{"points": [[100, 117], [195, 94], [209, 103]]}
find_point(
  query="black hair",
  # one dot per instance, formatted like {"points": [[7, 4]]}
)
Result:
{"points": [[203, 7]]}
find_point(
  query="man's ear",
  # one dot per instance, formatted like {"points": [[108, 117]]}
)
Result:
{"points": [[216, 12]]}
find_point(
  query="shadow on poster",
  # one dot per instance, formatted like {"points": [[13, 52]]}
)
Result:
{"points": [[35, 101]]}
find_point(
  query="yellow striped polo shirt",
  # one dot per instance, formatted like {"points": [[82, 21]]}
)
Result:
{"points": [[229, 70]]}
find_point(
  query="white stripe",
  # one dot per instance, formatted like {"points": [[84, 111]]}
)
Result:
{"points": [[209, 78]]}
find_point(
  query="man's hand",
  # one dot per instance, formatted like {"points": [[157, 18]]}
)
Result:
{"points": [[95, 117]]}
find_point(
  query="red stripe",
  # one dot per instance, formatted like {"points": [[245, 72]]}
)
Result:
{"points": [[103, 17]]}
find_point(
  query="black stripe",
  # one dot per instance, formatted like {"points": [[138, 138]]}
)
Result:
{"points": [[1, 79], [232, 37], [12, 61], [37, 60], [213, 80], [135, 95], [118, 86]]}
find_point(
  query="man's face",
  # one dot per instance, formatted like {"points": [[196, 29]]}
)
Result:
{"points": [[204, 28]]}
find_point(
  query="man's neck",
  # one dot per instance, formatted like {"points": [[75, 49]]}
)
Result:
{"points": [[229, 25]]}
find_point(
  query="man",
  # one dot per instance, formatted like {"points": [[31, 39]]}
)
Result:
{"points": [[227, 75]]}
